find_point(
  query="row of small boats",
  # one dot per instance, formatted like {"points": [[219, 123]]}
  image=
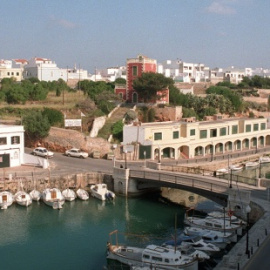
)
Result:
{"points": [[204, 237], [54, 197], [248, 164]]}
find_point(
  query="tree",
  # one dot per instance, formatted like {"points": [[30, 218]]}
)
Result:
{"points": [[36, 125], [120, 81], [117, 130], [149, 83]]}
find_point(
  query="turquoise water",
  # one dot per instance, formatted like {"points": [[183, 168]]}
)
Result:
{"points": [[75, 237]]}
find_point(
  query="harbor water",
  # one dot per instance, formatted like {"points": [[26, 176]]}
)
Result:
{"points": [[75, 237]]}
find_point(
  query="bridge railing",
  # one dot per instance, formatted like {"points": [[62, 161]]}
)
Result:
{"points": [[185, 180], [204, 172]]}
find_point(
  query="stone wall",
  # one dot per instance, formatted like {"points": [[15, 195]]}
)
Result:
{"points": [[60, 140]]}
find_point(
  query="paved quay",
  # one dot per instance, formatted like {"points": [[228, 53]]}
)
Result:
{"points": [[260, 231]]}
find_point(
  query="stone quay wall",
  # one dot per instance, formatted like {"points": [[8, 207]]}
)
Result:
{"points": [[73, 181]]}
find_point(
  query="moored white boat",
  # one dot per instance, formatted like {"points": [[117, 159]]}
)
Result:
{"points": [[101, 192], [236, 167], [23, 198], [53, 197], [214, 224], [195, 241], [35, 195], [6, 199], [69, 194], [264, 159], [228, 215], [251, 164], [226, 237], [222, 171], [152, 255], [82, 194]]}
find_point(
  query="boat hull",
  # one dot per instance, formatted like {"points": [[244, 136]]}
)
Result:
{"points": [[22, 198], [6, 199]]}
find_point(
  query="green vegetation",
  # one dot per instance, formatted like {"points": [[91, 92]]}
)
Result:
{"points": [[149, 83]]}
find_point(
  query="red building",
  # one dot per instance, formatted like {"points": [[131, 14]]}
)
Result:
{"points": [[135, 68]]}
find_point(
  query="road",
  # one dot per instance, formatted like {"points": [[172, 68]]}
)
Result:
{"points": [[62, 165]]}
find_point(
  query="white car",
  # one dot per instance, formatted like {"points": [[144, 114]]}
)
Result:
{"points": [[42, 152], [74, 152]]}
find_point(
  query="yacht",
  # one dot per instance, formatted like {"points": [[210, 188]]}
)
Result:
{"points": [[219, 239], [195, 241], [101, 192], [154, 256], [252, 164], [6, 199], [215, 224], [35, 195], [82, 194], [23, 198], [53, 197], [69, 194], [264, 159]]}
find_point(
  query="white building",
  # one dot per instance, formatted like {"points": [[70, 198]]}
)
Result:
{"points": [[10, 69], [11, 146], [189, 138], [44, 69]]}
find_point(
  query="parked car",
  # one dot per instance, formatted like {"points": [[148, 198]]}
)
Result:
{"points": [[42, 152], [74, 152]]}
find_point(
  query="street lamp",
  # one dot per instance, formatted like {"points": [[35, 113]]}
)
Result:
{"points": [[144, 155], [212, 151], [125, 151], [248, 209], [159, 154]]}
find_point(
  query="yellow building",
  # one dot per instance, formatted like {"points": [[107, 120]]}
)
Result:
{"points": [[189, 138]]}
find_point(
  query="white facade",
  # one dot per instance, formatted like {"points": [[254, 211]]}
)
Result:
{"points": [[184, 139], [11, 146], [9, 69]]}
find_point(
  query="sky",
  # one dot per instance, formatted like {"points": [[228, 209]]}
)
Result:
{"points": [[97, 34]]}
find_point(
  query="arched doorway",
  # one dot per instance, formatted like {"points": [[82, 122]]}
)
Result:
{"points": [[168, 152], [198, 151], [228, 147], [246, 144], [184, 152], [134, 97]]}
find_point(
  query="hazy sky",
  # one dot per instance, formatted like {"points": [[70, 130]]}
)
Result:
{"points": [[104, 33]]}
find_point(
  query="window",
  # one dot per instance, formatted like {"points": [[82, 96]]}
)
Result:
{"points": [[203, 134], [134, 71], [234, 129], [248, 128], [213, 132], [157, 259], [17, 74], [157, 136], [146, 256], [222, 131], [192, 132], [255, 127], [8, 73], [3, 140], [176, 135], [15, 139], [262, 126]]}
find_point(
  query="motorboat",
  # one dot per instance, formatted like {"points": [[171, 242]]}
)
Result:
{"points": [[35, 195], [189, 250], [101, 192], [195, 241], [82, 194], [228, 215], [152, 256], [23, 198], [264, 159], [6, 199], [222, 171], [225, 237], [215, 224], [53, 197], [236, 167], [69, 194], [252, 164]]}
